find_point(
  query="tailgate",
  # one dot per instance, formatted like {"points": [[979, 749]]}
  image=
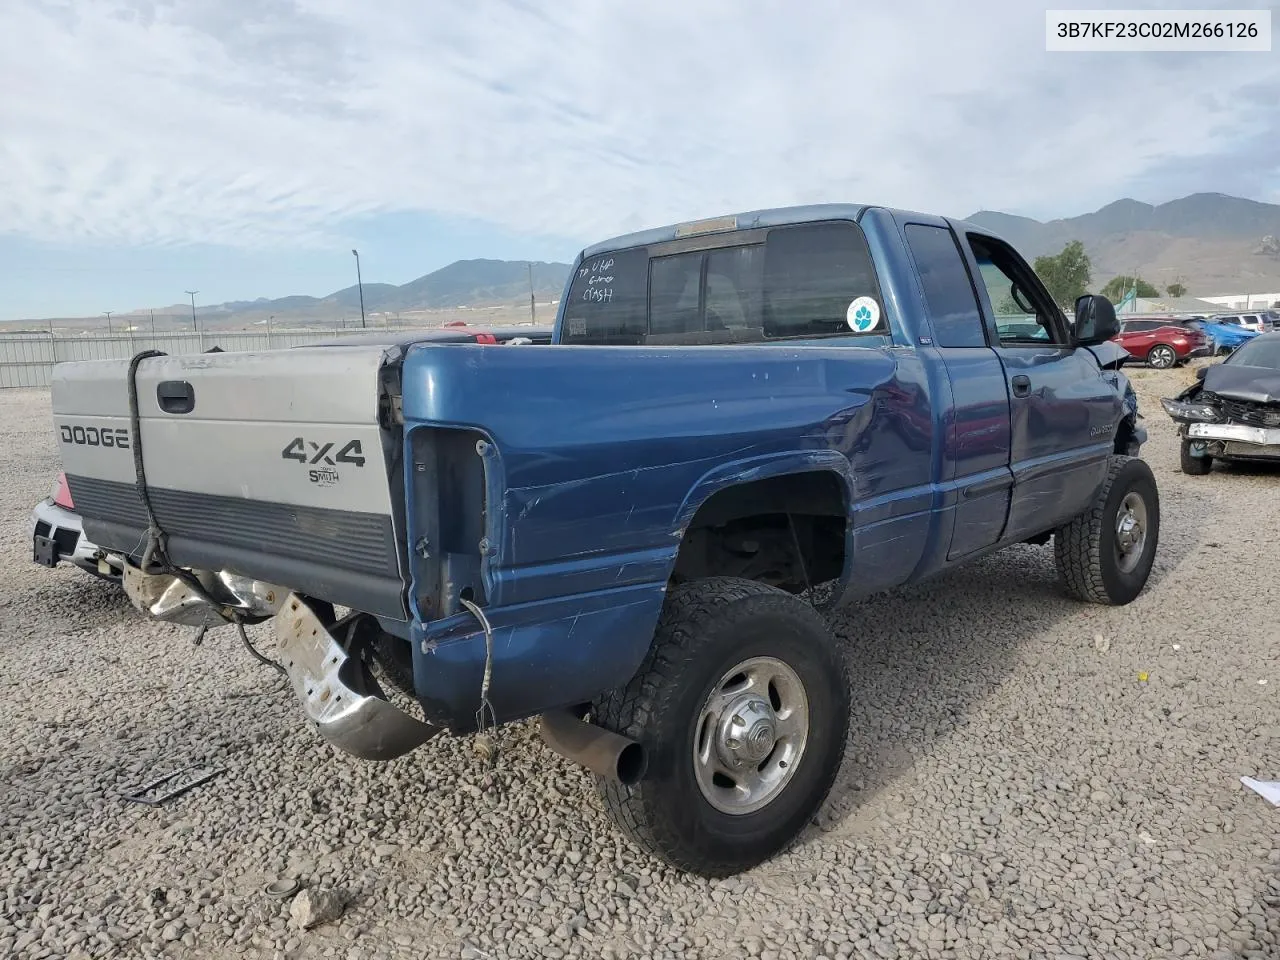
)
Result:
{"points": [[272, 465]]}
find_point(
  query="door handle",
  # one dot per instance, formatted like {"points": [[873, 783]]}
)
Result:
{"points": [[1021, 386], [176, 396]]}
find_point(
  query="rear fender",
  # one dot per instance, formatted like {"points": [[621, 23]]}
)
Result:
{"points": [[761, 468]]}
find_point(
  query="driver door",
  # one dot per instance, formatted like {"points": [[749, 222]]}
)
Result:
{"points": [[1063, 410]]}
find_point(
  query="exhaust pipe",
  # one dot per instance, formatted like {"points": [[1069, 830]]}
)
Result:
{"points": [[601, 751]]}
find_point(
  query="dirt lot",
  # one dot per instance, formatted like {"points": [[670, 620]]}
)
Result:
{"points": [[1012, 788]]}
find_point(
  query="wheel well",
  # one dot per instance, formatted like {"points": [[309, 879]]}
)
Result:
{"points": [[1124, 435], [787, 531]]}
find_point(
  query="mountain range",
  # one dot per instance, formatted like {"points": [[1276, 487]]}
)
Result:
{"points": [[462, 284], [1212, 243]]}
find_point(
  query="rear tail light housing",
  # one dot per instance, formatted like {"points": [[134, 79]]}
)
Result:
{"points": [[60, 493]]}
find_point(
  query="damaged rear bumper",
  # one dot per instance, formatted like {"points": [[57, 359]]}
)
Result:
{"points": [[337, 693], [330, 680]]}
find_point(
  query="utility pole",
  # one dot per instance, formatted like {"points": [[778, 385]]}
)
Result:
{"points": [[108, 313], [153, 322], [269, 319], [533, 310], [194, 325], [359, 283]]}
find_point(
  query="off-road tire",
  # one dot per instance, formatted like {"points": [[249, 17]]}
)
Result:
{"points": [[1194, 466], [1162, 357], [1085, 548], [707, 627]]}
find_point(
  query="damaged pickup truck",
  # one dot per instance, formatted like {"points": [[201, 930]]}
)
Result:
{"points": [[619, 532], [1232, 411]]}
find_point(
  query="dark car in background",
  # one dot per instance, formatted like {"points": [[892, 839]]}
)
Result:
{"points": [[1162, 342]]}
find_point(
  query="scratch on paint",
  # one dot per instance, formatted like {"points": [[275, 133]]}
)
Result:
{"points": [[629, 513], [573, 626]]}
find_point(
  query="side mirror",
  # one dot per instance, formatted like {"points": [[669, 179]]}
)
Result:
{"points": [[1095, 320], [1201, 372]]}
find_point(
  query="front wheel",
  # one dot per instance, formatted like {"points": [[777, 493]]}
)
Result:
{"points": [[1161, 356], [1192, 465], [743, 708], [1105, 555]]}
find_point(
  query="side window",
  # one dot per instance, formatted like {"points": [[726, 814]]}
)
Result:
{"points": [[1023, 313], [953, 307]]}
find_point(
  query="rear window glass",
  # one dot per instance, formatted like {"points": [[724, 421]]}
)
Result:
{"points": [[810, 280], [608, 299]]}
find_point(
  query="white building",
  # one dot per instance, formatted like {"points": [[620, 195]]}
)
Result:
{"points": [[1245, 301]]}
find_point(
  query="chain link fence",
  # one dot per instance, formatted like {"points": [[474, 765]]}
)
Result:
{"points": [[27, 359]]}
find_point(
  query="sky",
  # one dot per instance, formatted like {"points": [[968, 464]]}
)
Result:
{"points": [[242, 148]]}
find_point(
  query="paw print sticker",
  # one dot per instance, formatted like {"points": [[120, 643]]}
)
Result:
{"points": [[863, 315]]}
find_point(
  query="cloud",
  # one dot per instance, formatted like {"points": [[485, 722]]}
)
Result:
{"points": [[274, 123]]}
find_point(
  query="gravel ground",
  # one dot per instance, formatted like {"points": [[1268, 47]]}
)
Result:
{"points": [[1013, 786]]}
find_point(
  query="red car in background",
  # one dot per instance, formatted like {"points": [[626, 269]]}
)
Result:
{"points": [[1162, 342]]}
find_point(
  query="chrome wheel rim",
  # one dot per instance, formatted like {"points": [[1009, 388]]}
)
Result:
{"points": [[750, 735], [1131, 531], [1161, 357]]}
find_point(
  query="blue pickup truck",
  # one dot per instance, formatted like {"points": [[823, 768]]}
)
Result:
{"points": [[622, 532]]}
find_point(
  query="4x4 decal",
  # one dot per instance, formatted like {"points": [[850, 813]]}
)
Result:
{"points": [[309, 451]]}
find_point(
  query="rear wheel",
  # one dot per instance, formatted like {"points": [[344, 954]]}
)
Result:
{"points": [[1105, 555], [743, 708], [1161, 356], [1193, 465]]}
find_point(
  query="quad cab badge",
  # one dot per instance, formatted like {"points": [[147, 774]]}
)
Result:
{"points": [[320, 456]]}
